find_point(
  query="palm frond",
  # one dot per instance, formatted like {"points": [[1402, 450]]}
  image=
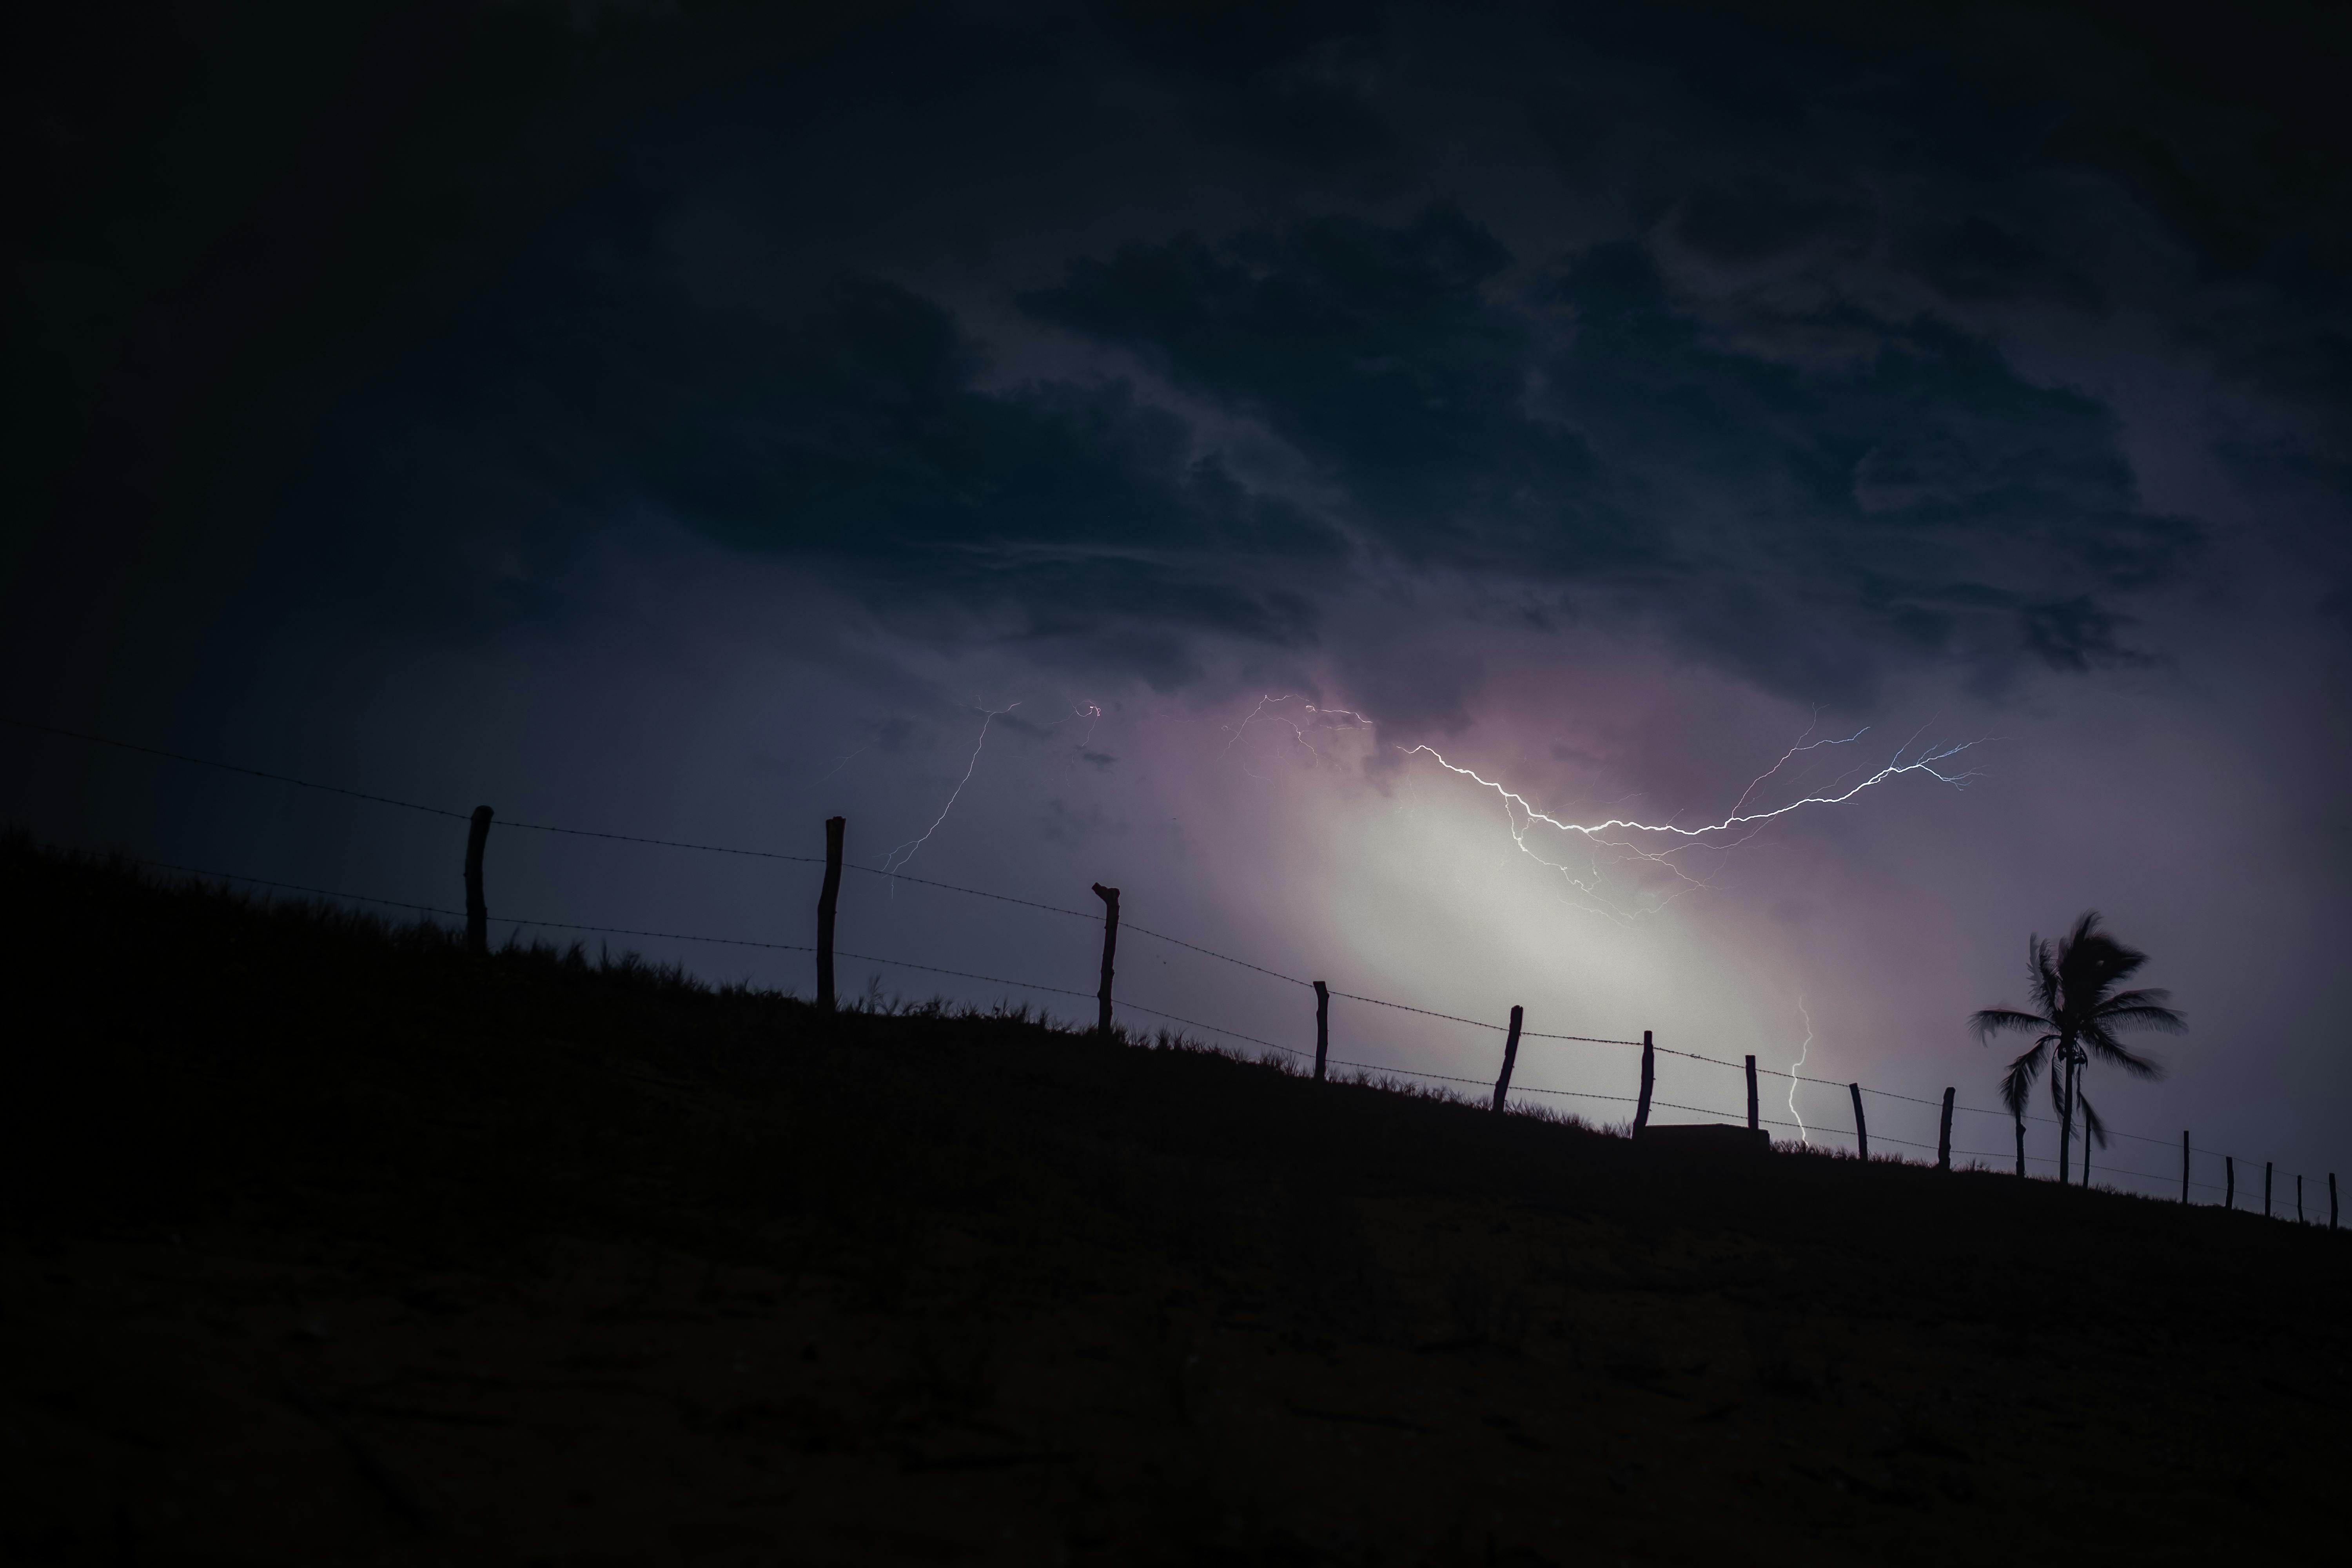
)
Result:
{"points": [[2108, 1048], [2018, 1081], [2141, 1010], [2094, 1132], [1989, 1021]]}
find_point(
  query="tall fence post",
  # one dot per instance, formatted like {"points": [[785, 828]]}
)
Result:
{"points": [[478, 911], [2021, 1144], [1649, 1077], [2184, 1164], [1322, 1027], [2298, 1200], [2229, 1181], [1861, 1127], [1110, 896], [1510, 1056], [1944, 1136], [827, 898], [2331, 1200], [1754, 1124], [2268, 1167]]}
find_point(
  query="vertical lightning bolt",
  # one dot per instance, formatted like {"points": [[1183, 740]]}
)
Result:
{"points": [[1804, 1051], [896, 860]]}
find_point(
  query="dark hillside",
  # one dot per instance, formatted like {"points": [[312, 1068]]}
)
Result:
{"points": [[325, 1242]]}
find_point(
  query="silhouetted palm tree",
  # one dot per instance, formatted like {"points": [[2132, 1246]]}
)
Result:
{"points": [[2073, 984]]}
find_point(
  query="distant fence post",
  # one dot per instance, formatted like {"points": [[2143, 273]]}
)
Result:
{"points": [[2268, 1165], [1110, 896], [2331, 1200], [2020, 1143], [2298, 1200], [477, 913], [1753, 1123], [2184, 1164], [1861, 1128], [827, 898], [2229, 1181], [1322, 1027], [1648, 1077], [1510, 1056], [1944, 1138]]}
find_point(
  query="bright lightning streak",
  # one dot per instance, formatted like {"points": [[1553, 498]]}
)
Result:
{"points": [[1619, 834], [896, 860], [1804, 1051]]}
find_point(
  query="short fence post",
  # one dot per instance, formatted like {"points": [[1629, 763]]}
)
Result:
{"points": [[1753, 1124], [2268, 1165], [1648, 1077], [1861, 1128], [477, 913], [2021, 1144], [1322, 1027], [1944, 1138], [1110, 896], [2184, 1164], [2229, 1181], [827, 898], [2331, 1200], [1510, 1055]]}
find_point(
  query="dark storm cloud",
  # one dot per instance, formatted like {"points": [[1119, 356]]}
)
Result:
{"points": [[1894, 486], [459, 293]]}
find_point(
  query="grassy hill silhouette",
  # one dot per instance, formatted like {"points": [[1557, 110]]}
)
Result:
{"points": [[327, 1243]]}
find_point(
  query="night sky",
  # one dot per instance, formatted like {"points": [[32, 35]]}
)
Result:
{"points": [[1147, 426]]}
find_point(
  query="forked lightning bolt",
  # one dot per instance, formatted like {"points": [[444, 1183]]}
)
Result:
{"points": [[1803, 1051], [1658, 843]]}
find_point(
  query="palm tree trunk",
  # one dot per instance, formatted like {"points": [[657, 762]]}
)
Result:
{"points": [[2065, 1115]]}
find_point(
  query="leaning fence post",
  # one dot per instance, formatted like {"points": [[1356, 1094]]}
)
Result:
{"points": [[1753, 1123], [1944, 1138], [2229, 1181], [2268, 1165], [1110, 896], [1648, 1077], [826, 900], [1322, 1027], [2184, 1164], [1861, 1128], [477, 913], [2020, 1143], [1510, 1055]]}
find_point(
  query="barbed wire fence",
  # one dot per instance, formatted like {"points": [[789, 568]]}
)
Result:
{"points": [[1503, 1091]]}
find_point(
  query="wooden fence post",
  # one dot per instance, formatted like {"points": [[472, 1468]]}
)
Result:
{"points": [[2229, 1181], [477, 913], [2298, 1200], [2268, 1165], [2021, 1144], [1322, 1027], [1648, 1077], [2331, 1200], [1944, 1138], [1754, 1124], [1861, 1128], [827, 898], [1110, 896], [1510, 1055], [2184, 1164]]}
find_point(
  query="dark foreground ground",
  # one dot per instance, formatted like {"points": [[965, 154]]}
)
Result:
{"points": [[325, 1244]]}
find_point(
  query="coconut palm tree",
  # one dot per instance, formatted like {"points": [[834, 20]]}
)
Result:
{"points": [[2073, 983]]}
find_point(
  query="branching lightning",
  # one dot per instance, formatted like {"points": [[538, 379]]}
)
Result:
{"points": [[896, 860], [1624, 838], [1802, 1052], [1314, 718]]}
